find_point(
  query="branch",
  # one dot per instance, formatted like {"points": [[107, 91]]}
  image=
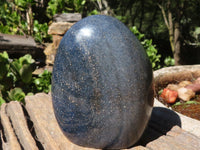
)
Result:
{"points": [[191, 43], [99, 5], [164, 15], [105, 3]]}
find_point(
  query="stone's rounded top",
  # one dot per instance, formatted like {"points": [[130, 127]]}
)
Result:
{"points": [[102, 84], [100, 25], [97, 30]]}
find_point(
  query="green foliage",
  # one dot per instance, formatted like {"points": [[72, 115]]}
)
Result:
{"points": [[2, 101], [169, 61], [4, 64], [149, 47], [195, 35], [13, 20], [22, 68], [17, 80], [40, 32], [16, 94], [60, 6], [10, 21], [54, 6], [94, 12], [146, 15], [185, 103], [43, 82]]}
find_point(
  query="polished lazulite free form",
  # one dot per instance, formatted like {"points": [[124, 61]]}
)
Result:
{"points": [[102, 84]]}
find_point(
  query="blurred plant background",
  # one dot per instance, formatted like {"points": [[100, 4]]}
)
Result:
{"points": [[169, 24], [168, 30], [17, 79]]}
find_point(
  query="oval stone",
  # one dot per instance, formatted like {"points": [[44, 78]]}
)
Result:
{"points": [[102, 84]]}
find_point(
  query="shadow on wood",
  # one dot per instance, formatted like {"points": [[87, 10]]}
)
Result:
{"points": [[162, 121], [34, 127]]}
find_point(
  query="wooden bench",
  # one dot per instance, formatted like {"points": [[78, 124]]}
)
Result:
{"points": [[33, 126]]}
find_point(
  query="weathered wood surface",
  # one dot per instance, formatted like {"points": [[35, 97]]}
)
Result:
{"points": [[67, 17], [17, 44], [16, 40], [176, 139], [34, 126]]}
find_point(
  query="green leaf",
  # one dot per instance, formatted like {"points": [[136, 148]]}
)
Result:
{"points": [[192, 102], [26, 73], [4, 56], [4, 66], [169, 61], [49, 88], [177, 104], [37, 81], [46, 72], [30, 94], [160, 92], [149, 47], [83, 2], [186, 103], [2, 101], [16, 94], [43, 82], [16, 66], [26, 59]]}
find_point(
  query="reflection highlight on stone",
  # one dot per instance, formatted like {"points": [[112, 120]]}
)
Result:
{"points": [[84, 33]]}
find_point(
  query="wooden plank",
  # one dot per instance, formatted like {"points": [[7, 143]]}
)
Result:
{"points": [[40, 110], [16, 135], [19, 123], [10, 41], [10, 142], [186, 139], [48, 132], [176, 139], [37, 107], [138, 148], [18, 45]]}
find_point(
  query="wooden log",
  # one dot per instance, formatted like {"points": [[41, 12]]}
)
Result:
{"points": [[10, 142], [16, 40], [176, 139], [48, 132], [20, 45], [15, 133], [19, 123], [138, 148]]}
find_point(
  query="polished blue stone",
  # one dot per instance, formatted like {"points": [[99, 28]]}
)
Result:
{"points": [[102, 84]]}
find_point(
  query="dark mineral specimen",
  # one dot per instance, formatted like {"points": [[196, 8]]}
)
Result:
{"points": [[102, 84]]}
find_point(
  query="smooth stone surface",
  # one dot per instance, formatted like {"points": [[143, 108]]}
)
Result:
{"points": [[102, 84]]}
